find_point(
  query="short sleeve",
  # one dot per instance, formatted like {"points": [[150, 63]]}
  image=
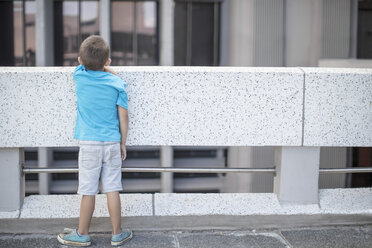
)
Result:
{"points": [[77, 69], [123, 97]]}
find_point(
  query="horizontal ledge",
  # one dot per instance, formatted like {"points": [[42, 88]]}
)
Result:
{"points": [[196, 170], [167, 69], [158, 169], [161, 69], [331, 201]]}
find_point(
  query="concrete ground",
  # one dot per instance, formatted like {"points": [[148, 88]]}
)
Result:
{"points": [[331, 236]]}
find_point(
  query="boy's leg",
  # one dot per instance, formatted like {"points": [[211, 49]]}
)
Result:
{"points": [[114, 207], [90, 163], [86, 213], [80, 237], [111, 182], [111, 185], [119, 236]]}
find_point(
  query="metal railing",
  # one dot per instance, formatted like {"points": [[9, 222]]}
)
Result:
{"points": [[346, 170], [158, 169], [27, 170]]}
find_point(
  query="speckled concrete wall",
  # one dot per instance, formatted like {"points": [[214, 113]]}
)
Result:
{"points": [[167, 106], [338, 107], [37, 106], [199, 106]]}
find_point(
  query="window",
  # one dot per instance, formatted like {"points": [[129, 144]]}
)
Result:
{"points": [[196, 33], [18, 33], [134, 33], [364, 48], [73, 22]]}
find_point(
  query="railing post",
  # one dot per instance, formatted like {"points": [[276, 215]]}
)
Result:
{"points": [[12, 189], [45, 160], [166, 160], [297, 174]]}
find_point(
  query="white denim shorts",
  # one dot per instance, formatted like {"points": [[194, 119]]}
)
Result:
{"points": [[99, 159]]}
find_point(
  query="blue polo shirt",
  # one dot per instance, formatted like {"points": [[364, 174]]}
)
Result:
{"points": [[98, 94]]}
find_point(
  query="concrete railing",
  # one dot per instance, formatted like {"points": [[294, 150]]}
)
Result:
{"points": [[298, 110]]}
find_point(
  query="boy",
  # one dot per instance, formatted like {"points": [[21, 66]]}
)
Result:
{"points": [[101, 128]]}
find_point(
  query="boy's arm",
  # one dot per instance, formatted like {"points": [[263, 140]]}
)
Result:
{"points": [[123, 123], [109, 69]]}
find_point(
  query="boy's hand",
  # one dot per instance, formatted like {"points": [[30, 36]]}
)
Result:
{"points": [[123, 151], [109, 69]]}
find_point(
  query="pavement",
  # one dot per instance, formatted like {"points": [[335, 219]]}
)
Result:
{"points": [[324, 237]]}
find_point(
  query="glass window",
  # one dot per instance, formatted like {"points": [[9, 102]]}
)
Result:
{"points": [[134, 33], [180, 34], [17, 45], [364, 48], [70, 32], [196, 33], [18, 33], [147, 33], [73, 22], [89, 19], [30, 33], [122, 28], [202, 37]]}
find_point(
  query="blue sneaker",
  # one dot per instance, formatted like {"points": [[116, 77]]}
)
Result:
{"points": [[121, 238], [71, 237]]}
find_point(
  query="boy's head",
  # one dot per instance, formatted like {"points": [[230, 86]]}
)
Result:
{"points": [[94, 53]]}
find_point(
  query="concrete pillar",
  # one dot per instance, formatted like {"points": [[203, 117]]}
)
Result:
{"points": [[303, 20], [238, 26], [166, 32], [237, 49], [104, 20], [297, 174], [166, 58], [44, 33], [12, 189], [45, 159], [44, 57], [166, 160]]}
